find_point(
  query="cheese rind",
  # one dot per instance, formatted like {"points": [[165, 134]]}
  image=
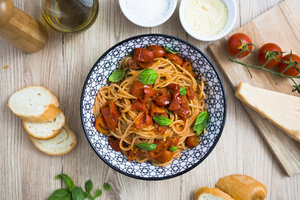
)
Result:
{"points": [[281, 109]]}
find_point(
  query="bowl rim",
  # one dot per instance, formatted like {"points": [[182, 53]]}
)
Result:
{"points": [[212, 37], [169, 176], [170, 12]]}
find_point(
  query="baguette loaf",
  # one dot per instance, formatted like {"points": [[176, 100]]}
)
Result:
{"points": [[61, 144], [45, 130], [206, 193], [242, 187], [34, 104]]}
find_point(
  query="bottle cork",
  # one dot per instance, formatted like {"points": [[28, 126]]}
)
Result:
{"points": [[21, 29]]}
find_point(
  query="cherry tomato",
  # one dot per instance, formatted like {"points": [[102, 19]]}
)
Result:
{"points": [[133, 64], [291, 71], [161, 146], [149, 94], [143, 121], [100, 125], [160, 129], [191, 141], [174, 89], [144, 57], [272, 49], [174, 58], [137, 88], [156, 110], [110, 115], [139, 105], [165, 156], [157, 50], [163, 100], [237, 42], [114, 143]]}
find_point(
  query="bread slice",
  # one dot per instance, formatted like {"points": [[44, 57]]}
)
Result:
{"points": [[206, 193], [34, 104], [61, 144], [281, 109], [242, 187], [45, 130]]}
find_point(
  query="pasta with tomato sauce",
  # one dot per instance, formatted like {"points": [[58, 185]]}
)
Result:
{"points": [[153, 108]]}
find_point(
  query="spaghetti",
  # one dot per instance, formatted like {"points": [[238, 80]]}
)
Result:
{"points": [[126, 110]]}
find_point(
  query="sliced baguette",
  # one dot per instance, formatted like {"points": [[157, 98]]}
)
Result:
{"points": [[242, 187], [34, 104], [61, 144], [45, 130], [206, 193]]}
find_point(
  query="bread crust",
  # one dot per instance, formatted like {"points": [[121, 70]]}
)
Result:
{"points": [[293, 134], [242, 187], [49, 114], [54, 133], [213, 191], [74, 143]]}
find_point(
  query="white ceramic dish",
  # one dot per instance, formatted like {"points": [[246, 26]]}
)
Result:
{"points": [[232, 15], [170, 10]]}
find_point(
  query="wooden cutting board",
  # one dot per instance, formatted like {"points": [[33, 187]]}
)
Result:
{"points": [[280, 25]]}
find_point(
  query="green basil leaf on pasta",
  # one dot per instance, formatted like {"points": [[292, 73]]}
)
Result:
{"points": [[162, 121], [173, 148], [147, 146], [77, 194], [182, 91], [169, 50], [60, 194], [106, 186], [68, 181], [148, 76], [117, 75], [201, 122]]}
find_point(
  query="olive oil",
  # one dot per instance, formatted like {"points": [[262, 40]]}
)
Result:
{"points": [[70, 15]]}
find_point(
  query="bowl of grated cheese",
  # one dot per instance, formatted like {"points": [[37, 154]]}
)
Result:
{"points": [[208, 20], [148, 13]]}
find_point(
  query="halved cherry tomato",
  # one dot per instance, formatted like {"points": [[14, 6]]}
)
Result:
{"points": [[144, 57], [237, 42], [137, 88], [165, 156], [160, 129], [149, 94], [161, 146], [163, 100], [133, 65], [180, 106], [100, 125], [175, 104], [143, 121], [172, 141], [157, 50], [110, 115], [190, 93], [136, 153], [294, 61], [174, 58], [191, 141], [188, 67], [139, 105], [114, 143], [174, 89], [155, 110], [271, 48]]}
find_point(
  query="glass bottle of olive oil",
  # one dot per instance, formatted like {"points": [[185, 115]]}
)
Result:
{"points": [[70, 16]]}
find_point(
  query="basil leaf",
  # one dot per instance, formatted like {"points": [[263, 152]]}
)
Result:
{"points": [[98, 193], [201, 122], [77, 194], [162, 121], [148, 76], [60, 194], [182, 91], [173, 148], [170, 51], [86, 194], [88, 186], [106, 186], [68, 181], [147, 146], [116, 76]]}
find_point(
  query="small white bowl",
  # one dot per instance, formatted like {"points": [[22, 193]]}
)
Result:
{"points": [[232, 15], [168, 14]]}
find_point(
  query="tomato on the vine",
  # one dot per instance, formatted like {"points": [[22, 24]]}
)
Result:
{"points": [[239, 42], [272, 52], [291, 60]]}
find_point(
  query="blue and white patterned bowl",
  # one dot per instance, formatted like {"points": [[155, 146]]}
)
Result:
{"points": [[215, 102]]}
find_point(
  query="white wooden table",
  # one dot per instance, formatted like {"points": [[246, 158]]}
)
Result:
{"points": [[62, 67]]}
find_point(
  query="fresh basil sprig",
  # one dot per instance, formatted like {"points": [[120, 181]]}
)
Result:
{"points": [[116, 75], [182, 91], [170, 51], [147, 146], [74, 192], [201, 122], [173, 148], [162, 121], [148, 76]]}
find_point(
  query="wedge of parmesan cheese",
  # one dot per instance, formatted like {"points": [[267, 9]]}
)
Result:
{"points": [[281, 109]]}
